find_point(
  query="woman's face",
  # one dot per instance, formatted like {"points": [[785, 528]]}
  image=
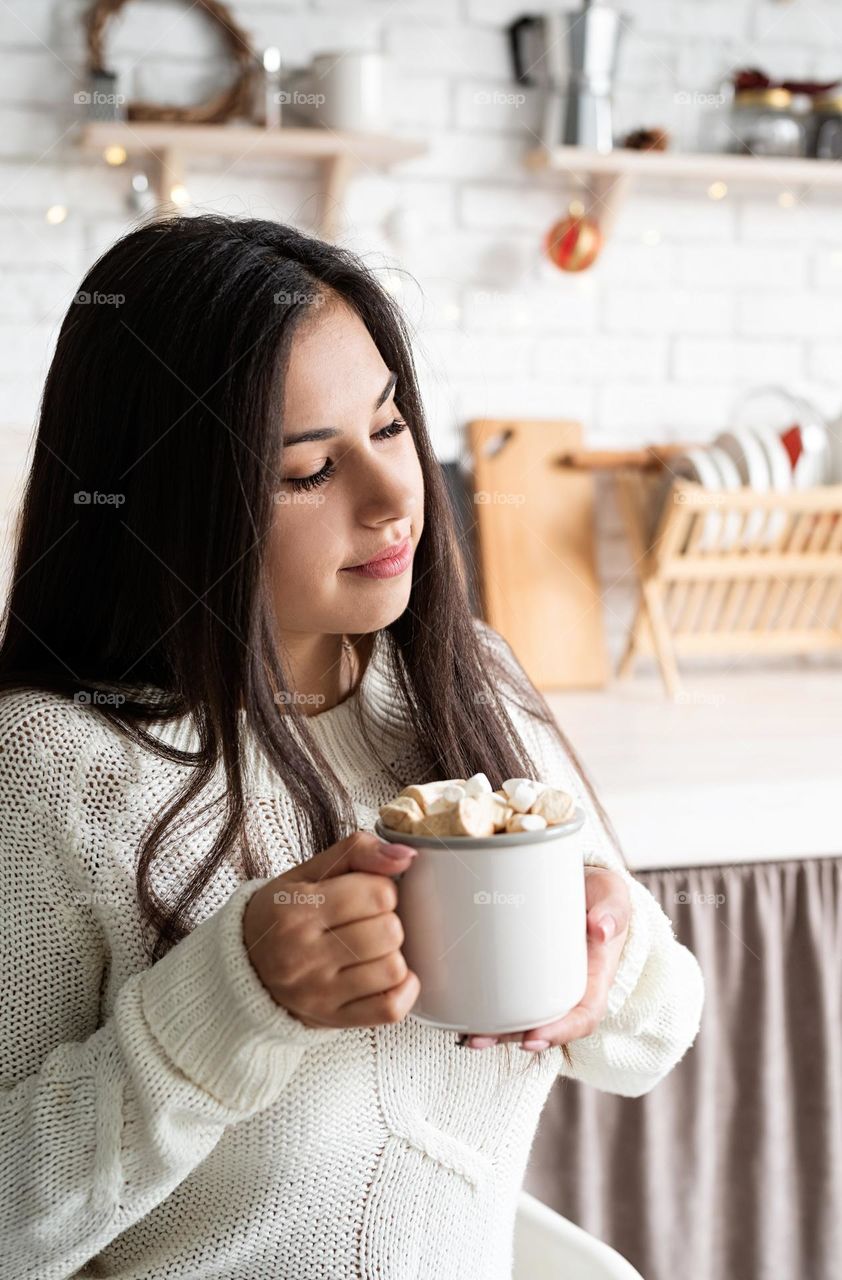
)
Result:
{"points": [[362, 487]]}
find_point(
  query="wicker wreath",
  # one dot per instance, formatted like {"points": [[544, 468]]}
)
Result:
{"points": [[236, 100]]}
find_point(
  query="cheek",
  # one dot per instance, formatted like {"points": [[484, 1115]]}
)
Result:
{"points": [[416, 481], [305, 551]]}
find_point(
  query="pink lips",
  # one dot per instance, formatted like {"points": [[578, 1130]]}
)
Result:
{"points": [[388, 564]]}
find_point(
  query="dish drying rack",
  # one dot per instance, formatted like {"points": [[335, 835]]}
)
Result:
{"points": [[723, 572]]}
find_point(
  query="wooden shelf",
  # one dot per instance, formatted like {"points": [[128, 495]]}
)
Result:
{"points": [[606, 178], [162, 148], [688, 164]]}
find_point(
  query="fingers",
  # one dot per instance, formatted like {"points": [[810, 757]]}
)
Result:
{"points": [[602, 927], [608, 902], [361, 980], [575, 1025], [385, 1006], [358, 895], [365, 940], [360, 851]]}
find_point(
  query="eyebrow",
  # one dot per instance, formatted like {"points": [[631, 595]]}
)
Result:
{"points": [[329, 433]]}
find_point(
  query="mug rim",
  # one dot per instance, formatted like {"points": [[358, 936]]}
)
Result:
{"points": [[502, 840]]}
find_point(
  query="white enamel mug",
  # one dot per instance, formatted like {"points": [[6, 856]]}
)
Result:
{"points": [[351, 85], [495, 926]]}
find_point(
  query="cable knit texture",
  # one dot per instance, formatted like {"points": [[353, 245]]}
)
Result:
{"points": [[173, 1121]]}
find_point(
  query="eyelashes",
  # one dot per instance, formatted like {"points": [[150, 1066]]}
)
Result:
{"points": [[305, 483]]}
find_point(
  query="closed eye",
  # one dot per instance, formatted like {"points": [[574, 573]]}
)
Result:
{"points": [[301, 483]]}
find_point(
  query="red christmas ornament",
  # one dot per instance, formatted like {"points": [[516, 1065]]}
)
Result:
{"points": [[573, 243]]}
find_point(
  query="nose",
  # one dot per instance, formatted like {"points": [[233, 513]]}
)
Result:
{"points": [[387, 491]]}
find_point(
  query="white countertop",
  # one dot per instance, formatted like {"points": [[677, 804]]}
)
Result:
{"points": [[746, 767]]}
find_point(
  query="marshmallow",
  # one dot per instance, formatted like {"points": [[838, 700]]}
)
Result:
{"points": [[553, 805], [470, 816], [442, 805], [401, 814], [424, 793], [477, 785], [521, 793], [511, 784], [460, 807], [526, 822], [522, 797], [501, 811]]}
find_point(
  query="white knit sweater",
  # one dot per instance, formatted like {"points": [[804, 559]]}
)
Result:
{"points": [[173, 1121]]}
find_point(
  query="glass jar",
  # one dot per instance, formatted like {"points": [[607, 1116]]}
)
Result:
{"points": [[765, 123], [826, 139]]}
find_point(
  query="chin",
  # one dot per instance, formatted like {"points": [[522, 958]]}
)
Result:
{"points": [[381, 613]]}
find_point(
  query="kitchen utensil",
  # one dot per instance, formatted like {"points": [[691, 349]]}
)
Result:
{"points": [[696, 465], [825, 134], [764, 122], [495, 928], [571, 55], [729, 479], [801, 426], [713, 468], [536, 550], [104, 101], [811, 467], [352, 85], [767, 602], [833, 474], [748, 456], [780, 476]]}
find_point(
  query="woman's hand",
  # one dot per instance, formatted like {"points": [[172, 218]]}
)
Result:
{"points": [[608, 915], [325, 939]]}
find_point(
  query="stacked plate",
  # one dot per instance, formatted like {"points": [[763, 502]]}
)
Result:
{"points": [[760, 457]]}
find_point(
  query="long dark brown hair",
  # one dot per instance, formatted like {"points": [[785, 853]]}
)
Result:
{"points": [[163, 405]]}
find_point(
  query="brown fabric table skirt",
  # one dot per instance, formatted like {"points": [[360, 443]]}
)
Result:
{"points": [[731, 1168]]}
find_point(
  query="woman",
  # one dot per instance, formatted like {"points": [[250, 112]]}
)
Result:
{"points": [[208, 1056]]}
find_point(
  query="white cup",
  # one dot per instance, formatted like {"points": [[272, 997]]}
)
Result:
{"points": [[495, 926], [351, 84]]}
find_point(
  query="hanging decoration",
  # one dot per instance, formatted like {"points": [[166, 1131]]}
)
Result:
{"points": [[573, 243], [236, 100]]}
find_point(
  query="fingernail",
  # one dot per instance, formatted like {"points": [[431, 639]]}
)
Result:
{"points": [[535, 1045], [396, 850], [608, 925], [481, 1042]]}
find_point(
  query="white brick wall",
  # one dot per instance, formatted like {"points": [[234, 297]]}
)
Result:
{"points": [[691, 302]]}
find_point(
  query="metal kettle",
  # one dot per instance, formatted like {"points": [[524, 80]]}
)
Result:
{"points": [[571, 55]]}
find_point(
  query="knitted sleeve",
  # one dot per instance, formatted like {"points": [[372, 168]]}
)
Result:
{"points": [[100, 1121], [655, 1002]]}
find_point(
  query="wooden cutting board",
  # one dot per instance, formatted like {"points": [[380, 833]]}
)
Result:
{"points": [[536, 550]]}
